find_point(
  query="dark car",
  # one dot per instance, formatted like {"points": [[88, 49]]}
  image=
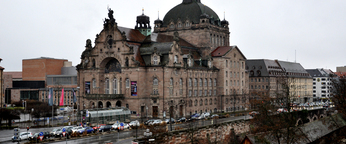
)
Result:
{"points": [[172, 120], [87, 129], [105, 128], [46, 135], [69, 131]]}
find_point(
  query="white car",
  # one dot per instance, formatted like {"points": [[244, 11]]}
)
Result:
{"points": [[134, 123], [117, 125], [22, 136], [156, 122], [76, 129]]}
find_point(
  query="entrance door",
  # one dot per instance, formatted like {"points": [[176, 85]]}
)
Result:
{"points": [[155, 111], [181, 110]]}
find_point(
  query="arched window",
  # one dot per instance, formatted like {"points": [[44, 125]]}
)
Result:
{"points": [[206, 102], [205, 82], [180, 81], [201, 102], [94, 63], [195, 82], [210, 101], [155, 60], [226, 91], [226, 83], [196, 102], [215, 101], [210, 82], [115, 86], [107, 86], [214, 82], [230, 74], [200, 82], [226, 74], [226, 63], [127, 83], [155, 81], [190, 82]]}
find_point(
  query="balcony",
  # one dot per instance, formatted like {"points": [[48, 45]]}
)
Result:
{"points": [[104, 96]]}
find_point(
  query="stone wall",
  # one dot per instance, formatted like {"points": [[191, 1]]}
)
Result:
{"points": [[215, 132]]}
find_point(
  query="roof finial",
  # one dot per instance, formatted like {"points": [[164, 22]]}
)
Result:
{"points": [[224, 15], [142, 11], [158, 14]]}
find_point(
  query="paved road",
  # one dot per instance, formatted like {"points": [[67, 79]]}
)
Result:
{"points": [[124, 136]]}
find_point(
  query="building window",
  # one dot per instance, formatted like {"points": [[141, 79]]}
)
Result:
{"points": [[226, 83], [200, 92], [214, 92], [115, 86], [155, 60], [226, 63], [205, 82], [200, 102], [127, 82], [214, 82], [210, 92], [180, 81], [195, 82], [155, 82], [196, 102], [195, 92], [171, 81], [190, 93], [94, 83], [107, 86], [226, 74], [200, 82], [205, 92], [190, 82]]}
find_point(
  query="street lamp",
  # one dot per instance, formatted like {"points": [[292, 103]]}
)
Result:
{"points": [[81, 115], [24, 105], [147, 133]]}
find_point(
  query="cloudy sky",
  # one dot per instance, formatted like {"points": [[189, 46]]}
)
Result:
{"points": [[262, 29]]}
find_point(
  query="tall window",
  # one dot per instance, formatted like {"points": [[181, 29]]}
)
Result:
{"points": [[214, 82], [107, 86], [155, 60], [180, 81], [200, 82], [226, 73], [226, 83], [210, 82], [190, 92], [190, 82], [230, 63], [94, 83], [171, 81], [195, 82], [226, 63], [205, 82], [115, 86], [195, 92], [230, 74], [200, 92], [155, 82], [127, 81]]}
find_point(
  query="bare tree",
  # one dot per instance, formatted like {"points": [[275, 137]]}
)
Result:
{"points": [[278, 127]]}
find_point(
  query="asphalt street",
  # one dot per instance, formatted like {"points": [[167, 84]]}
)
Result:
{"points": [[124, 136]]}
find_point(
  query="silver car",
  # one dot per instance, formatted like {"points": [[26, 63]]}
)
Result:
{"points": [[22, 136]]}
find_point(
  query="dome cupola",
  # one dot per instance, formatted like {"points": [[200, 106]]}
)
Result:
{"points": [[143, 24]]}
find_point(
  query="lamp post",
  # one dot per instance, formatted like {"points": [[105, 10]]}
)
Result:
{"points": [[148, 134], [81, 115], [24, 105]]}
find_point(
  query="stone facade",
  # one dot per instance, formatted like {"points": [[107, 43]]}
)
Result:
{"points": [[161, 73]]}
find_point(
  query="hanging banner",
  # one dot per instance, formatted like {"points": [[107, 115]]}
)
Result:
{"points": [[87, 88], [133, 88]]}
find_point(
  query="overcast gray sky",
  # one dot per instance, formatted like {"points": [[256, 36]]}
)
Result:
{"points": [[262, 29]]}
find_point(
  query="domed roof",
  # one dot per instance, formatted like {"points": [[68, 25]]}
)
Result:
{"points": [[191, 9]]}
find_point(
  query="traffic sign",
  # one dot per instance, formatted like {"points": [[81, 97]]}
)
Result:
{"points": [[41, 137], [121, 124], [63, 133], [122, 127], [41, 133], [63, 130]]}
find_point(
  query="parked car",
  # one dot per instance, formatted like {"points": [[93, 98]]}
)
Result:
{"points": [[105, 128], [46, 135], [58, 133], [253, 113], [76, 129], [182, 119], [34, 137], [98, 126], [148, 121], [156, 122], [202, 116], [195, 116], [87, 129], [52, 133], [167, 120], [207, 114], [134, 123], [22, 136], [69, 130], [280, 110], [215, 116]]}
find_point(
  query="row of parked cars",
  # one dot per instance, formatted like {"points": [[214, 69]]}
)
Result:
{"points": [[195, 116], [69, 130]]}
